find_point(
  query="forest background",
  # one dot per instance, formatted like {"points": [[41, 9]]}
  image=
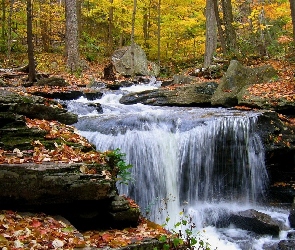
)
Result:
{"points": [[171, 32]]}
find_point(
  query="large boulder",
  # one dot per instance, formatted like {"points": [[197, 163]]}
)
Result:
{"points": [[34, 107], [31, 184], [64, 94], [87, 200], [194, 94], [236, 78], [257, 222], [122, 62]]}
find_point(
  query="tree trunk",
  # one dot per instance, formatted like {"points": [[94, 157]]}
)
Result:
{"points": [[230, 33], [219, 27], [72, 48], [9, 29], [292, 6], [145, 26], [45, 30], [159, 32], [3, 20], [111, 26], [32, 69], [211, 34], [132, 34]]}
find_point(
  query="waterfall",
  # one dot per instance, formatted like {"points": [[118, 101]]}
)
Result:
{"points": [[216, 159], [207, 162]]}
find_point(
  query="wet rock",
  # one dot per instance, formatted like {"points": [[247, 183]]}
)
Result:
{"points": [[286, 245], [291, 218], [167, 83], [41, 111], [92, 95], [197, 94], [270, 246], [119, 84], [69, 95], [278, 139], [62, 95], [236, 78], [257, 222], [291, 234], [145, 245], [97, 106], [122, 214]]}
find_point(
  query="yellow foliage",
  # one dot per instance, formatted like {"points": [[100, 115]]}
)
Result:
{"points": [[182, 24]]}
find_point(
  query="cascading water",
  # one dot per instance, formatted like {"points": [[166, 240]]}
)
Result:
{"points": [[206, 161]]}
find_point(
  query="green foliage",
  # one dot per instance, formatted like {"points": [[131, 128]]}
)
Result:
{"points": [[89, 47], [116, 160], [184, 235]]}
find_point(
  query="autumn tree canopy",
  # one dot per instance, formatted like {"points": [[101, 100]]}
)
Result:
{"points": [[260, 28]]}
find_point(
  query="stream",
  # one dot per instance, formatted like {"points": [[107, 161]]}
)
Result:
{"points": [[193, 164]]}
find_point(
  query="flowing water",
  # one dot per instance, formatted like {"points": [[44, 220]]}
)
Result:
{"points": [[207, 162]]}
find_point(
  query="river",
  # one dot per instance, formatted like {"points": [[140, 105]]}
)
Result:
{"points": [[199, 164]]}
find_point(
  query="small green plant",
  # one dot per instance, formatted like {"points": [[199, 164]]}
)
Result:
{"points": [[116, 161], [183, 235]]}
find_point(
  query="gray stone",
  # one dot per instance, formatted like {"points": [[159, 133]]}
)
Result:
{"points": [[236, 78], [52, 81], [119, 203], [183, 79], [55, 183], [257, 222], [35, 107], [122, 62], [194, 94], [291, 218], [286, 245]]}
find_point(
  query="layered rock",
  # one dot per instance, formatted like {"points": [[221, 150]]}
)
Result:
{"points": [[86, 198], [88, 201], [194, 94], [279, 143], [34, 107]]}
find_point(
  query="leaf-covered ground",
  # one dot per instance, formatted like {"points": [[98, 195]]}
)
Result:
{"points": [[41, 231], [62, 152], [283, 87]]}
